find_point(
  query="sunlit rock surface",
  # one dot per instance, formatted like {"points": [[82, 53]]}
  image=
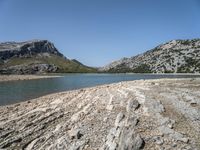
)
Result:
{"points": [[151, 114], [176, 56]]}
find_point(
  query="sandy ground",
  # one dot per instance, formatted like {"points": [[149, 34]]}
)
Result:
{"points": [[4, 78], [161, 114]]}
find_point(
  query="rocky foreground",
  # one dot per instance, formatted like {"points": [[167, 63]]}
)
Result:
{"points": [[154, 114]]}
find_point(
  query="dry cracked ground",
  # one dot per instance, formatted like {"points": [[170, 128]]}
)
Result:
{"points": [[159, 114]]}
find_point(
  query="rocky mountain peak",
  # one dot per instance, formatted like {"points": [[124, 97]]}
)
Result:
{"points": [[36, 56], [25, 49]]}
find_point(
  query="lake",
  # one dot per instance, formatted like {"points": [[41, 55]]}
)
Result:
{"points": [[16, 91]]}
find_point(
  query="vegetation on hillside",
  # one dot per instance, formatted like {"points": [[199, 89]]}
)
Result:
{"points": [[143, 68], [64, 65]]}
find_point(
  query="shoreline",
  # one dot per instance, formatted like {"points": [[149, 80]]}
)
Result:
{"points": [[53, 95], [7, 78], [149, 114], [50, 95]]}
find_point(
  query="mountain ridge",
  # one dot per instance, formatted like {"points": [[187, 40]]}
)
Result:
{"points": [[36, 57], [175, 56]]}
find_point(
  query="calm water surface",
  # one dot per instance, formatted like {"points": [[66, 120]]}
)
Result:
{"points": [[16, 91]]}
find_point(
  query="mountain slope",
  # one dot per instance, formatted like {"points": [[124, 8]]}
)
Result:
{"points": [[176, 56], [36, 56]]}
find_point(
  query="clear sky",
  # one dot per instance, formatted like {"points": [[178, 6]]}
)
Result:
{"points": [[97, 32]]}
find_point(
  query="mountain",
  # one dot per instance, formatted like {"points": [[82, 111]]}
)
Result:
{"points": [[36, 56], [176, 56]]}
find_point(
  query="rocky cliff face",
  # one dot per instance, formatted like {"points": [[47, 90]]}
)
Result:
{"points": [[36, 56], [176, 56], [26, 49]]}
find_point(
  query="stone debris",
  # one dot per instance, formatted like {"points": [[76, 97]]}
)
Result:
{"points": [[153, 114], [129, 140], [75, 134]]}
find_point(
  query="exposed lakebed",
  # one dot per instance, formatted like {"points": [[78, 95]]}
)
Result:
{"points": [[159, 114], [17, 91]]}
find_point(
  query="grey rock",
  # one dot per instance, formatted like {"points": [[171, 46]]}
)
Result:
{"points": [[119, 118], [156, 107], [75, 134], [131, 121], [111, 145], [158, 140], [129, 140], [132, 105]]}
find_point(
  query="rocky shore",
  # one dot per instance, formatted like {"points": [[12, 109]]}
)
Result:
{"points": [[161, 114], [4, 78]]}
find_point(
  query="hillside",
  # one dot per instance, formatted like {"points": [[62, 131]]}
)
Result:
{"points": [[176, 56], [36, 56]]}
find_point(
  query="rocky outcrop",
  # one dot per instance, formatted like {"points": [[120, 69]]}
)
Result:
{"points": [[176, 56], [26, 49], [152, 114], [36, 56], [29, 69]]}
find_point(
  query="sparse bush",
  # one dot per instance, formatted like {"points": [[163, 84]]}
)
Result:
{"points": [[169, 71], [184, 69], [143, 68], [122, 68], [186, 42], [191, 62]]}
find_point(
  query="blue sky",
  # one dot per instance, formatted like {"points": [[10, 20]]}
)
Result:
{"points": [[97, 32]]}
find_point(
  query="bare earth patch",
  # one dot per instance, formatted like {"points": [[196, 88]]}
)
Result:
{"points": [[152, 115]]}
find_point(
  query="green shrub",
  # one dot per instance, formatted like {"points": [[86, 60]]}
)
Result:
{"points": [[122, 68], [143, 68]]}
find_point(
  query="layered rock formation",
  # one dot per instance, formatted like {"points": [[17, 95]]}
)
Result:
{"points": [[152, 115], [176, 56], [27, 49], [36, 56]]}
